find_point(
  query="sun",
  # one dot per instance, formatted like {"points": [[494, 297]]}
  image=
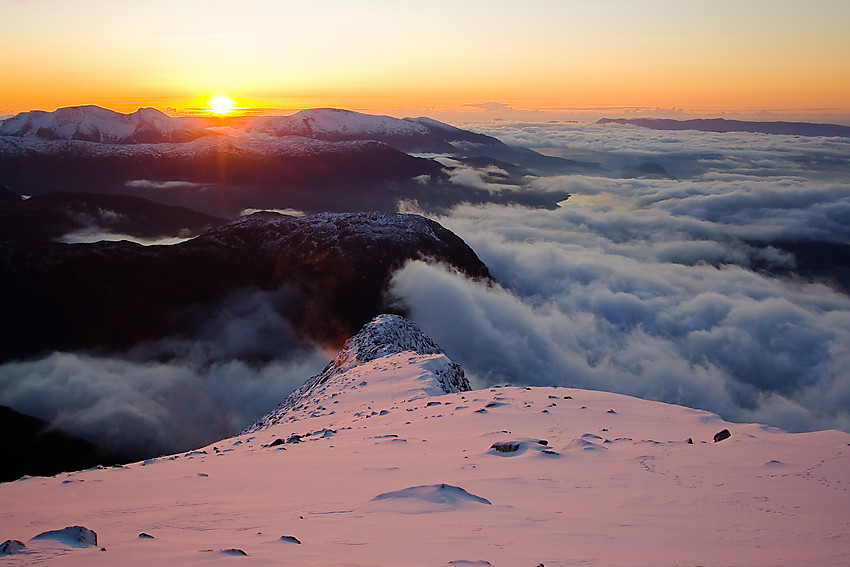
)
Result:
{"points": [[222, 105]]}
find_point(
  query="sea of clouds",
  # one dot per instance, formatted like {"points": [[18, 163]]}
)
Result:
{"points": [[659, 288]]}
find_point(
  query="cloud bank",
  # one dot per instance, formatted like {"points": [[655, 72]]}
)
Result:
{"points": [[174, 394], [659, 288]]}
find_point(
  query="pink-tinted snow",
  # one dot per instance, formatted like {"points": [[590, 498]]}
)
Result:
{"points": [[597, 479]]}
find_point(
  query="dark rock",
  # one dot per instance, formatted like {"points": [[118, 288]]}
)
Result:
{"points": [[689, 441], [143, 535], [277, 442], [505, 447], [11, 547], [721, 435], [233, 551], [291, 539], [543, 442]]}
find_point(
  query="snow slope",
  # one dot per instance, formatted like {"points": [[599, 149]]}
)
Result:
{"points": [[378, 466]]}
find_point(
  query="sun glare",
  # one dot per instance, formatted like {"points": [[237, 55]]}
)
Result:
{"points": [[222, 105]]}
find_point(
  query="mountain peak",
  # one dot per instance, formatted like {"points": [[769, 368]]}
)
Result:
{"points": [[384, 335], [396, 356], [93, 123]]}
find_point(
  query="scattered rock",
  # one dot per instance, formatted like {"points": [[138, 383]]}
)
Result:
{"points": [[294, 438], [721, 435], [11, 547], [291, 539], [277, 442], [505, 447], [75, 536]]}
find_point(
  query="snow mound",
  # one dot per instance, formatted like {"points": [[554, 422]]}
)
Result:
{"points": [[74, 536], [434, 494]]}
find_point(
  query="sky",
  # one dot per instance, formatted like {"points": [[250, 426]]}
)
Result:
{"points": [[559, 56]]}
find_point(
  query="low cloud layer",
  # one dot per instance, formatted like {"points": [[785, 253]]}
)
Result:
{"points": [[174, 394], [657, 287]]}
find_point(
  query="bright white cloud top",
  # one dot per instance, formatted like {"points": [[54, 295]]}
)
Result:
{"points": [[373, 464]]}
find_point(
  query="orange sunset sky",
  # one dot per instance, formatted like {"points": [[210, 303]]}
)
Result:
{"points": [[784, 56]]}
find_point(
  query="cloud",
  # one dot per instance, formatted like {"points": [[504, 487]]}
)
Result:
{"points": [[659, 288], [726, 340], [489, 106], [173, 394]]}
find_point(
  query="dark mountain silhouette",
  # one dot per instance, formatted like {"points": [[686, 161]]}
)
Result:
{"points": [[53, 215], [33, 447], [723, 125], [330, 269]]}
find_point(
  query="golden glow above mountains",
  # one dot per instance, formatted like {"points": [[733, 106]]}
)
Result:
{"points": [[379, 55]]}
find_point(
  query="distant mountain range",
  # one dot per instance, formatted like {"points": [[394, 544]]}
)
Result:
{"points": [[723, 125], [315, 160]]}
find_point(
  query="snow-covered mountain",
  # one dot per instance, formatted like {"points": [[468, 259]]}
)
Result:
{"points": [[315, 160], [378, 465], [95, 124], [406, 134]]}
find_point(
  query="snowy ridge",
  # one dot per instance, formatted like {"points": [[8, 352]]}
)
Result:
{"points": [[388, 348], [274, 229], [345, 124], [95, 124]]}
